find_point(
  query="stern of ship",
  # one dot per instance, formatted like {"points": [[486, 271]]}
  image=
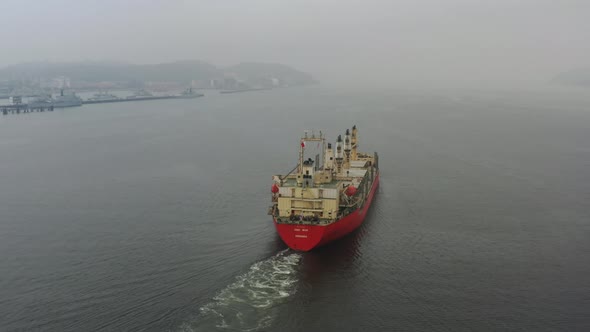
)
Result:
{"points": [[300, 237]]}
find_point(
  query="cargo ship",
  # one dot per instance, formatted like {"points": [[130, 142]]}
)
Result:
{"points": [[326, 198]]}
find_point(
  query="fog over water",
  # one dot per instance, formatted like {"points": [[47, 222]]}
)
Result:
{"points": [[152, 215], [418, 44]]}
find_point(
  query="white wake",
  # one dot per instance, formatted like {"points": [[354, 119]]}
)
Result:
{"points": [[246, 304]]}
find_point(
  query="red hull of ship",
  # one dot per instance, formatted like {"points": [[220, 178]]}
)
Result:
{"points": [[307, 237]]}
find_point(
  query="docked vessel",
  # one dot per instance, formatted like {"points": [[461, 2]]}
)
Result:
{"points": [[67, 100], [326, 198], [63, 100], [102, 96], [243, 90], [190, 93], [140, 94], [44, 101]]}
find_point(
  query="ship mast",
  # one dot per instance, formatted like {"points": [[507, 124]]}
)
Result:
{"points": [[347, 149], [306, 138], [353, 141], [338, 154]]}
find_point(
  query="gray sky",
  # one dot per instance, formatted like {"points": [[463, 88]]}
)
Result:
{"points": [[398, 43]]}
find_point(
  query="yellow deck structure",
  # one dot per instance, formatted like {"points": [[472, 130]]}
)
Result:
{"points": [[324, 189]]}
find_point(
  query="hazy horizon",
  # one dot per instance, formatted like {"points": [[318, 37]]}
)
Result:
{"points": [[423, 43]]}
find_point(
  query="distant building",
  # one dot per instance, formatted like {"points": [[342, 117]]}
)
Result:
{"points": [[60, 82], [163, 86], [15, 100], [215, 84], [4, 89]]}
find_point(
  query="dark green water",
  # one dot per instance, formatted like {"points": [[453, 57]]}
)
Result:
{"points": [[152, 216]]}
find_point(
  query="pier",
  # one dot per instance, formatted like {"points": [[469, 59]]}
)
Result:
{"points": [[18, 107], [143, 98], [23, 108]]}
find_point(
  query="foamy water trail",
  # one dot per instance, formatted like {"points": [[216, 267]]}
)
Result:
{"points": [[247, 303]]}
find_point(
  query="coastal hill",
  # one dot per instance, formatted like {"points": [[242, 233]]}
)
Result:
{"points": [[182, 72], [257, 72], [579, 77]]}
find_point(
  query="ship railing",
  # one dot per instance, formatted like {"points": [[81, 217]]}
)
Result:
{"points": [[272, 210], [297, 221]]}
